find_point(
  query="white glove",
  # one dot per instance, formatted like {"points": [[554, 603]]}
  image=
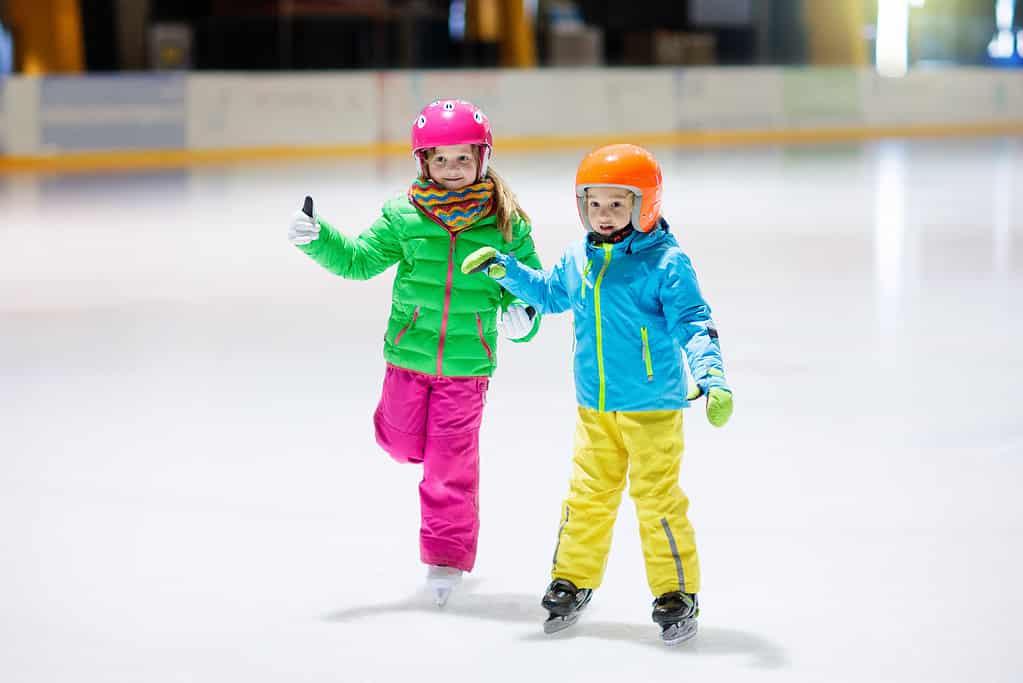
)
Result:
{"points": [[515, 323], [303, 229]]}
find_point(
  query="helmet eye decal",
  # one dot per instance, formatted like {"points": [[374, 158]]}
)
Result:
{"points": [[477, 116], [449, 106], [421, 122]]}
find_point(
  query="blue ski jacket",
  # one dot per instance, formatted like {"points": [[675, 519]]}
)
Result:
{"points": [[636, 306]]}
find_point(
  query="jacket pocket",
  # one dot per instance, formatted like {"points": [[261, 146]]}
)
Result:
{"points": [[408, 326], [647, 360], [486, 346]]}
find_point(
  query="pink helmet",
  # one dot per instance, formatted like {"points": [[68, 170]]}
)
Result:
{"points": [[451, 122]]}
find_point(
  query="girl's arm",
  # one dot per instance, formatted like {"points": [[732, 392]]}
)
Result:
{"points": [[690, 323], [358, 258]]}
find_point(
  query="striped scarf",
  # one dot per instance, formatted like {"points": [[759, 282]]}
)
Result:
{"points": [[454, 209]]}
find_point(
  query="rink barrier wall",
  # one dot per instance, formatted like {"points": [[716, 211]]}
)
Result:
{"points": [[179, 158], [173, 120]]}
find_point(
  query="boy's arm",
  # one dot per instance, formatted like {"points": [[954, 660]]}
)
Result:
{"points": [[544, 291], [358, 258], [690, 323], [525, 251]]}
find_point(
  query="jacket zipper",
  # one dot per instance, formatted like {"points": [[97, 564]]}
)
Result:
{"points": [[486, 346], [447, 302], [586, 271], [402, 331], [646, 355], [600, 334]]}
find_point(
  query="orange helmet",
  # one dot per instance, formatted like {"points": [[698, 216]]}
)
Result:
{"points": [[630, 168]]}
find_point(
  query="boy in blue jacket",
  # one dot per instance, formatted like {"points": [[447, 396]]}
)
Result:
{"points": [[636, 302]]}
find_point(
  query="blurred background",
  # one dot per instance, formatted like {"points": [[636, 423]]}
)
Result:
{"points": [[70, 36], [217, 79], [189, 485]]}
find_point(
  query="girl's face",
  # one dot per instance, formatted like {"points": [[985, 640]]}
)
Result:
{"points": [[452, 166], [608, 208]]}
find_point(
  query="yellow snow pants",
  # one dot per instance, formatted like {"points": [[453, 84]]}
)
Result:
{"points": [[648, 447]]}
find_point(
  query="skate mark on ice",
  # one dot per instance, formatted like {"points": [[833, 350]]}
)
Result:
{"points": [[517, 608], [504, 607], [710, 641]]}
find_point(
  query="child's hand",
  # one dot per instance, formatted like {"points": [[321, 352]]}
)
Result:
{"points": [[304, 228], [484, 260], [719, 406], [517, 321]]}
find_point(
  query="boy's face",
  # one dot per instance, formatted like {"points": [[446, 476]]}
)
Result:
{"points": [[608, 208], [452, 166]]}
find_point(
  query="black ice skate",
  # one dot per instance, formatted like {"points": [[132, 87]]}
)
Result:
{"points": [[564, 602], [676, 614]]}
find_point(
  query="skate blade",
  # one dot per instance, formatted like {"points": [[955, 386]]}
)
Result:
{"points": [[555, 624], [442, 587], [678, 633], [440, 596]]}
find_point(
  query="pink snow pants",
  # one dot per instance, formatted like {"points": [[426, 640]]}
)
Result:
{"points": [[436, 421]]}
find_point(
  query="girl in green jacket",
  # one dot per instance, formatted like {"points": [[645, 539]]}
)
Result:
{"points": [[441, 337]]}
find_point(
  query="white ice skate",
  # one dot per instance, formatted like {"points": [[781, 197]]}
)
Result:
{"points": [[441, 581]]}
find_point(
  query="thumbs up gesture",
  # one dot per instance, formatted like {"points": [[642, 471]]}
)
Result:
{"points": [[304, 227]]}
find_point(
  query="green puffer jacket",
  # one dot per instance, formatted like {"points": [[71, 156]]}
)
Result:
{"points": [[442, 322]]}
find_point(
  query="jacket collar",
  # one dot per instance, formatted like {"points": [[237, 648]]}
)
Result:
{"points": [[637, 241]]}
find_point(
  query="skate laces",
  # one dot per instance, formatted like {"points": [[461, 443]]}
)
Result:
{"points": [[676, 600], [562, 586]]}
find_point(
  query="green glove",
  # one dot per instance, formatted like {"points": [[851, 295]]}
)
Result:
{"points": [[719, 406], [484, 260]]}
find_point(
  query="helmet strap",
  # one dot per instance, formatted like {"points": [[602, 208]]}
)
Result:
{"points": [[483, 159]]}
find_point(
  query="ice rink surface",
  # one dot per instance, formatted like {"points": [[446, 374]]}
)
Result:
{"points": [[190, 490]]}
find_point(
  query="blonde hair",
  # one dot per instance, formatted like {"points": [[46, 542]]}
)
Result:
{"points": [[506, 204]]}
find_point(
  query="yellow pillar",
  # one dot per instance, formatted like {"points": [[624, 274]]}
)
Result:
{"points": [[47, 35], [483, 20], [518, 40], [835, 32], [506, 23]]}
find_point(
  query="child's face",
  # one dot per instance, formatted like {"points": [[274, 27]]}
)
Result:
{"points": [[452, 166], [608, 208]]}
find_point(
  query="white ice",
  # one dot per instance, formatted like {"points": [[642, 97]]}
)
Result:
{"points": [[190, 490]]}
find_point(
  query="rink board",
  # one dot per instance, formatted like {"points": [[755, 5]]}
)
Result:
{"points": [[170, 120]]}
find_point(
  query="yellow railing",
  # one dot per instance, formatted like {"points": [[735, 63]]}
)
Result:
{"points": [[179, 158]]}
